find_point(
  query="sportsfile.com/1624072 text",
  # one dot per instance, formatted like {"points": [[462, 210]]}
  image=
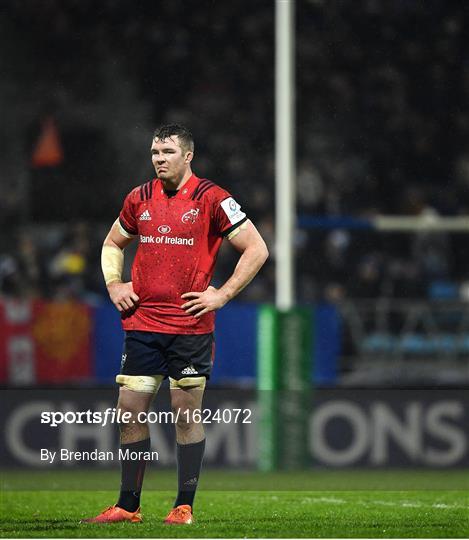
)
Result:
{"points": [[116, 416]]}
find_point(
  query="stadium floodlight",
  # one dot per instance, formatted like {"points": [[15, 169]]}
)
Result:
{"points": [[284, 151]]}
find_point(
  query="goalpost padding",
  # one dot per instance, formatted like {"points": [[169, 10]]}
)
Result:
{"points": [[285, 343]]}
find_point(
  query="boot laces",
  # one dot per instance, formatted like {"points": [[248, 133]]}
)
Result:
{"points": [[180, 512]]}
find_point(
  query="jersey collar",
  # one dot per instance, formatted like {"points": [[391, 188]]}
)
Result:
{"points": [[184, 193]]}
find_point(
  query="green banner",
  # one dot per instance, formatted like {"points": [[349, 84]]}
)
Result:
{"points": [[294, 360], [267, 386], [283, 382]]}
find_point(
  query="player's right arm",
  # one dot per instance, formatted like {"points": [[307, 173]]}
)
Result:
{"points": [[121, 294]]}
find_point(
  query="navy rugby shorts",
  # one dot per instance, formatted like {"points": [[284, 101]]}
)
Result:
{"points": [[173, 355]]}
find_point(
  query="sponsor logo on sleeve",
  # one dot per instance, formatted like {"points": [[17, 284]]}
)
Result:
{"points": [[232, 210]]}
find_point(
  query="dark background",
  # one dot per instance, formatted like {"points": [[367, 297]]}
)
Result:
{"points": [[382, 109], [382, 105]]}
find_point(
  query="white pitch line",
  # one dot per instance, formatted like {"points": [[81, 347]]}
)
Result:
{"points": [[381, 503], [402, 504]]}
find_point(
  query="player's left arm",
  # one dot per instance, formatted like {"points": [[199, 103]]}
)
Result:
{"points": [[254, 253]]}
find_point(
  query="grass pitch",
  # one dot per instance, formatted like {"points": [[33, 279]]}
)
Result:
{"points": [[233, 505]]}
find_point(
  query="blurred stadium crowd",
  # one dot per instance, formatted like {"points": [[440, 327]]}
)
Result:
{"points": [[382, 128]]}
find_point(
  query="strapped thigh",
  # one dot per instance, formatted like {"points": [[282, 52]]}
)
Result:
{"points": [[148, 384], [187, 382]]}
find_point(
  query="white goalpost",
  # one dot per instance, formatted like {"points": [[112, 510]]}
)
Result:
{"points": [[284, 151]]}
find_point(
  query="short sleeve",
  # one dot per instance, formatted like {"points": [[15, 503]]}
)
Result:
{"points": [[227, 214], [127, 218]]}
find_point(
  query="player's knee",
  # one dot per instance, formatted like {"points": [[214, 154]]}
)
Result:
{"points": [[188, 422], [182, 422], [180, 405], [182, 411], [129, 414], [185, 401], [147, 384], [186, 417], [129, 407]]}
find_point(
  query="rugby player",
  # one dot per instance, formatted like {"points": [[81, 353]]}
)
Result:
{"points": [[168, 307]]}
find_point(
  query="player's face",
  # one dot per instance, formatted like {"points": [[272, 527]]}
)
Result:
{"points": [[169, 159]]}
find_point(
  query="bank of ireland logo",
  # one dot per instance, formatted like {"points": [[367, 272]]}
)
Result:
{"points": [[164, 229], [190, 216], [232, 205]]}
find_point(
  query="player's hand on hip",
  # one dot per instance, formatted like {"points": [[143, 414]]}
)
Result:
{"points": [[202, 302], [122, 295]]}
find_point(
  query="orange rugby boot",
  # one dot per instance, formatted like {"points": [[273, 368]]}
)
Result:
{"points": [[114, 514], [181, 515]]}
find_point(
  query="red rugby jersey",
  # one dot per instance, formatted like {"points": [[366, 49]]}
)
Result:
{"points": [[179, 238]]}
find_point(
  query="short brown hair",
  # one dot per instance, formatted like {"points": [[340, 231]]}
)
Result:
{"points": [[169, 130]]}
